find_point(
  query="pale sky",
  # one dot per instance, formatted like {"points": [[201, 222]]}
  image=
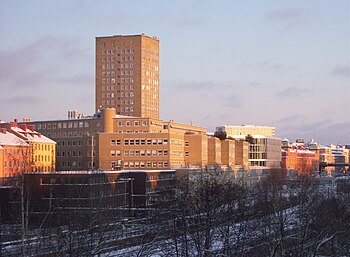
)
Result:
{"points": [[274, 63]]}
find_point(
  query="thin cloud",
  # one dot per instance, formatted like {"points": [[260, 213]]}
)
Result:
{"points": [[290, 118], [207, 86], [271, 66], [341, 70], [293, 92], [40, 62], [233, 102], [288, 17], [22, 100], [80, 79]]}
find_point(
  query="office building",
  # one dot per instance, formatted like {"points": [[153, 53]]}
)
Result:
{"points": [[107, 141], [264, 149], [248, 129], [127, 75]]}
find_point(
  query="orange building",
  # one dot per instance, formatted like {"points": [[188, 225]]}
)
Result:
{"points": [[38, 151], [228, 150], [196, 150], [242, 154], [107, 141], [299, 159], [15, 154], [2, 156], [127, 75], [214, 151]]}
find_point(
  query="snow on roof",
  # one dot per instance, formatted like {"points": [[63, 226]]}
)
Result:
{"points": [[33, 136], [254, 136], [11, 139]]}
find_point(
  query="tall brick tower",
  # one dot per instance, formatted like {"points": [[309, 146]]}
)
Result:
{"points": [[127, 75]]}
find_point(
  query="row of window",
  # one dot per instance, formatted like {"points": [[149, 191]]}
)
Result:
{"points": [[122, 80], [65, 134], [143, 141], [147, 58], [43, 147], [150, 88], [133, 131], [71, 153], [70, 164], [149, 73], [150, 52], [108, 66], [150, 81], [43, 158], [122, 51], [16, 164], [114, 153], [69, 143], [108, 59], [135, 123], [127, 109], [23, 152], [80, 124], [141, 164], [150, 67], [108, 73]]}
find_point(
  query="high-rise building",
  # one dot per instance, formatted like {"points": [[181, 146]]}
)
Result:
{"points": [[127, 75]]}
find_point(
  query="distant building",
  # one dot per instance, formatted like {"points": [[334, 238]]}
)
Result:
{"points": [[265, 148], [299, 159], [248, 129], [127, 75]]}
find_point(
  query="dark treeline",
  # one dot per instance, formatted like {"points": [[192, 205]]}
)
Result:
{"points": [[208, 214], [214, 215]]}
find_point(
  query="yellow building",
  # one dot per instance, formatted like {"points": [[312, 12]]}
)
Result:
{"points": [[43, 149], [127, 75]]}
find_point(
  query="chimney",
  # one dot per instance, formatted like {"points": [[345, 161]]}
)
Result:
{"points": [[14, 123], [31, 127], [23, 127], [3, 130]]}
